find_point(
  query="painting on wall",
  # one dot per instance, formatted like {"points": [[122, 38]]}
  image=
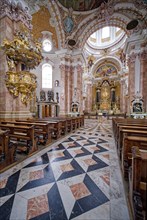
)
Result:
{"points": [[105, 70], [82, 5]]}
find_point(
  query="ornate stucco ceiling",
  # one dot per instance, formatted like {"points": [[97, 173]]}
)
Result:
{"points": [[82, 5], [113, 13]]}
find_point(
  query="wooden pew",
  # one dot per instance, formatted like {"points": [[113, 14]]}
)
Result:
{"points": [[42, 130], [120, 125], [54, 126], [68, 124], [129, 126], [61, 124], [128, 132], [126, 155], [22, 133], [71, 123], [138, 183], [121, 130], [7, 150], [136, 122], [82, 120], [76, 121]]}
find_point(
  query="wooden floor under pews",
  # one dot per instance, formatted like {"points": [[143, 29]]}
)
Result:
{"points": [[22, 138], [131, 142]]}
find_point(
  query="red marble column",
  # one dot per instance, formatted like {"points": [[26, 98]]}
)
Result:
{"points": [[122, 106], [88, 107], [131, 79], [63, 92], [143, 90], [124, 103], [80, 86], [70, 87]]}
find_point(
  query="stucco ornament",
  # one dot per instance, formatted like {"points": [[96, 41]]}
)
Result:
{"points": [[68, 22]]}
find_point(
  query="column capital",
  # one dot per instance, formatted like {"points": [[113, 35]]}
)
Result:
{"points": [[79, 68], [132, 57], [143, 55]]}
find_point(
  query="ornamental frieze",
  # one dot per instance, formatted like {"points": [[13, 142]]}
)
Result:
{"points": [[16, 12]]}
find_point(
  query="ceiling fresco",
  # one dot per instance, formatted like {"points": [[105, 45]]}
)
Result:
{"points": [[82, 5], [105, 70]]}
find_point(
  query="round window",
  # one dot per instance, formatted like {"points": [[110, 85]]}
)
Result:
{"points": [[47, 46]]}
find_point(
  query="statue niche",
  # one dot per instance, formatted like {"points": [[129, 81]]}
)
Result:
{"points": [[75, 107], [137, 105]]}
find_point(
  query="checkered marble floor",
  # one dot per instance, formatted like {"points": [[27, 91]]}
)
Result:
{"points": [[77, 177]]}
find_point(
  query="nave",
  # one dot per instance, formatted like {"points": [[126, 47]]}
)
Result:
{"points": [[77, 177]]}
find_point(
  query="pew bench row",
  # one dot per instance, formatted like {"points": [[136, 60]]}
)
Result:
{"points": [[132, 134], [138, 183], [26, 135]]}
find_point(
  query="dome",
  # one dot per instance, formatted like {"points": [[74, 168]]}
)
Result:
{"points": [[105, 37], [82, 5]]}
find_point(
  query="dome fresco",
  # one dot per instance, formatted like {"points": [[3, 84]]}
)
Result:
{"points": [[82, 5]]}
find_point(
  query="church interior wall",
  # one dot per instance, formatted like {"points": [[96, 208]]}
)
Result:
{"points": [[67, 60]]}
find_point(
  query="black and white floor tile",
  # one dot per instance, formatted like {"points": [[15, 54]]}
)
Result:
{"points": [[75, 178]]}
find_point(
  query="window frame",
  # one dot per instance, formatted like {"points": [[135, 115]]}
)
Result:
{"points": [[50, 78], [47, 40]]}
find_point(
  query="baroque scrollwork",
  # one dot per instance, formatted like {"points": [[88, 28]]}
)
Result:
{"points": [[23, 83], [22, 51]]}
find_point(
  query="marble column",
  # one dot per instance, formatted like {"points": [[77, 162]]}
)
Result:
{"points": [[89, 98], [70, 87], [63, 92], [131, 78], [66, 82], [80, 86], [135, 48], [124, 102], [143, 78]]}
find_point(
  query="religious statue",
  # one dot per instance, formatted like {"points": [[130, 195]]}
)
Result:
{"points": [[42, 96], [137, 107], [122, 57]]}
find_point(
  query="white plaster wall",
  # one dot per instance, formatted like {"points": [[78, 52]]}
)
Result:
{"points": [[55, 62]]}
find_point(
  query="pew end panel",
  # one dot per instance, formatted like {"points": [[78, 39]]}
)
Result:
{"points": [[7, 150], [138, 183]]}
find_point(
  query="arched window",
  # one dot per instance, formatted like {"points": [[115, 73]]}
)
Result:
{"points": [[47, 76], [47, 46]]}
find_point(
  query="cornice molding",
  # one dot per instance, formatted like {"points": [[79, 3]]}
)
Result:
{"points": [[16, 12]]}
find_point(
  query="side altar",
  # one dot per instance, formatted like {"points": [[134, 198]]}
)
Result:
{"points": [[106, 96], [137, 108]]}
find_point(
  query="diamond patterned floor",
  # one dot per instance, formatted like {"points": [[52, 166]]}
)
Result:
{"points": [[77, 177]]}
